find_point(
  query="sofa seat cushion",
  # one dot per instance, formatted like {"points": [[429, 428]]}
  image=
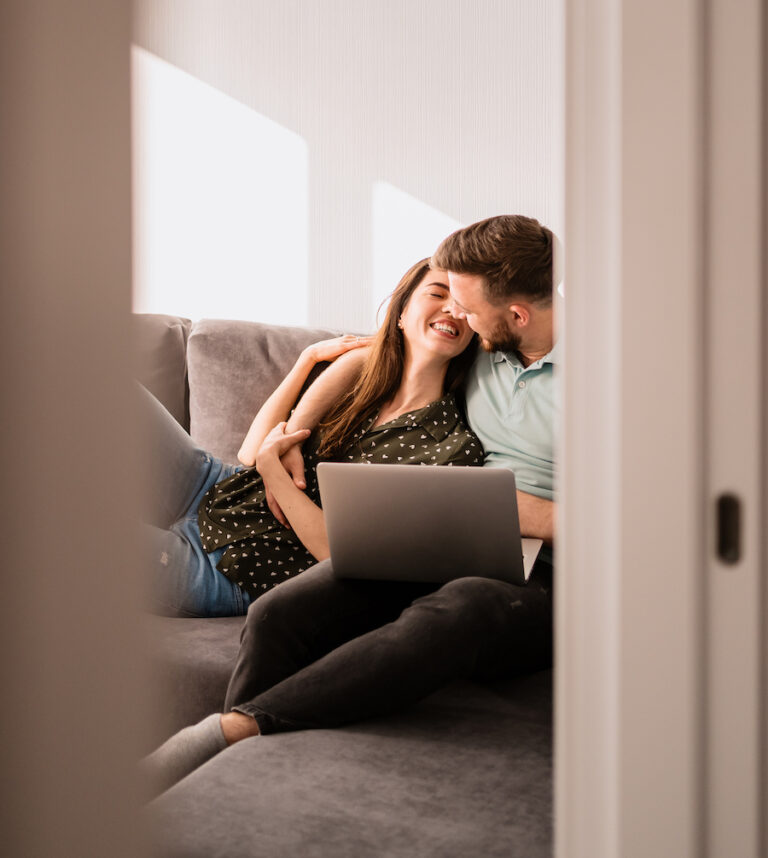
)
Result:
{"points": [[191, 661], [466, 772]]}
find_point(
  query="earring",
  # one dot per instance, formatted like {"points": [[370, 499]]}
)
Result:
{"points": [[400, 324]]}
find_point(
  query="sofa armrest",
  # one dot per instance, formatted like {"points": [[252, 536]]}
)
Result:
{"points": [[160, 360]]}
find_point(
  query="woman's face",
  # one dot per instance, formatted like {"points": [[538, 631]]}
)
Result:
{"points": [[427, 323]]}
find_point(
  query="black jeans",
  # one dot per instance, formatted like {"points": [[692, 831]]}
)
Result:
{"points": [[320, 652]]}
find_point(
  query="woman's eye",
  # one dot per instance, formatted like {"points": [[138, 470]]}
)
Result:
{"points": [[438, 294]]}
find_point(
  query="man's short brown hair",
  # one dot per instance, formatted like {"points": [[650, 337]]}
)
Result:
{"points": [[511, 252]]}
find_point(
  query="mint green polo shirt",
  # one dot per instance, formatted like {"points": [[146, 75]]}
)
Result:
{"points": [[514, 411]]}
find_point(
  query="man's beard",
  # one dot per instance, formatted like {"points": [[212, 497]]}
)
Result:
{"points": [[501, 339]]}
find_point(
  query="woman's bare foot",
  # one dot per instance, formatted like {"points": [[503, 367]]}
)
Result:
{"points": [[236, 726]]}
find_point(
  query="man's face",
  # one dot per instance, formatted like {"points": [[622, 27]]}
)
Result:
{"points": [[490, 321]]}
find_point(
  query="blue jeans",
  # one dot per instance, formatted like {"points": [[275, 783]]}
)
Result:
{"points": [[184, 580]]}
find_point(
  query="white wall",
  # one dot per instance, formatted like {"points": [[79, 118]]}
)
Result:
{"points": [[390, 125]]}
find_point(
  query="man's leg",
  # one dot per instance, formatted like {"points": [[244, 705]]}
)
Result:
{"points": [[286, 629], [301, 665], [305, 618], [466, 628]]}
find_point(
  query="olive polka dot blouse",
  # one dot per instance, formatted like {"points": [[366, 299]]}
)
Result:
{"points": [[260, 553]]}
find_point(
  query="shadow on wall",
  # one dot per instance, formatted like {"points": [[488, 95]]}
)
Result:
{"points": [[221, 224]]}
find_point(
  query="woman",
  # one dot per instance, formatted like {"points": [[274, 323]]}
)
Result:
{"points": [[226, 548]]}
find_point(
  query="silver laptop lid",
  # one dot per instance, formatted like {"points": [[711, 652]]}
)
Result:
{"points": [[423, 522]]}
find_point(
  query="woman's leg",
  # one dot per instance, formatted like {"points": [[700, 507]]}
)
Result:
{"points": [[183, 580], [176, 468], [468, 627]]}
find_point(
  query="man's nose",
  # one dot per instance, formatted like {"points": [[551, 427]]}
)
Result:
{"points": [[451, 308]]}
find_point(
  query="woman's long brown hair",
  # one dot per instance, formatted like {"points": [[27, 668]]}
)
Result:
{"points": [[383, 371]]}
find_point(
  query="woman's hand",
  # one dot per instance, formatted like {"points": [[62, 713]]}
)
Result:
{"points": [[293, 464], [301, 513], [329, 350], [275, 445]]}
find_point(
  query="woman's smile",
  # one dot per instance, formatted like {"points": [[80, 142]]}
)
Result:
{"points": [[446, 327], [427, 318]]}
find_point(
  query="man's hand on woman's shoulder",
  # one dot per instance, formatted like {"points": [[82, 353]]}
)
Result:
{"points": [[329, 350]]}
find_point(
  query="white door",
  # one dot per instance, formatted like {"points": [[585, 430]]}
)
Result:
{"points": [[661, 695]]}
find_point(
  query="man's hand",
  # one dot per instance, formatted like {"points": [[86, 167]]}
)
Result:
{"points": [[293, 462], [329, 350]]}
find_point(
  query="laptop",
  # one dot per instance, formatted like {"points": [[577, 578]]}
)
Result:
{"points": [[423, 522]]}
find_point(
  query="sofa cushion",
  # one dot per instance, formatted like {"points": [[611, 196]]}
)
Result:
{"points": [[233, 367], [160, 360], [468, 771], [191, 662]]}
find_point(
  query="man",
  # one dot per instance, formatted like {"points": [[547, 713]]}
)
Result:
{"points": [[320, 652], [500, 272]]}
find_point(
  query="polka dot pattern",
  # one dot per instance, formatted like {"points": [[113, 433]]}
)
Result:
{"points": [[260, 553]]}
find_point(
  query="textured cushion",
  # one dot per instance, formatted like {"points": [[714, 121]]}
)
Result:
{"points": [[233, 367], [160, 356], [466, 772]]}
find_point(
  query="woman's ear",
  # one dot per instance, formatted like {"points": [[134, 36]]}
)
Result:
{"points": [[400, 323]]}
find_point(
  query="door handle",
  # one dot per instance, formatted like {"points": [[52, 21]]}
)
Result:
{"points": [[729, 529]]}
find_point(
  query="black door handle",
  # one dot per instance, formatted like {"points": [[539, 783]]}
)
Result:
{"points": [[729, 529]]}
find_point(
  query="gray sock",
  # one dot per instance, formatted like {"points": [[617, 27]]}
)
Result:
{"points": [[182, 754]]}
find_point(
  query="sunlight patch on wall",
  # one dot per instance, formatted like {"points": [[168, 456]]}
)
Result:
{"points": [[220, 203], [405, 229]]}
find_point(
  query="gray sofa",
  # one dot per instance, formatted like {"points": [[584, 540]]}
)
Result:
{"points": [[466, 772]]}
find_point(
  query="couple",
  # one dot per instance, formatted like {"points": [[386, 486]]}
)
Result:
{"points": [[320, 652]]}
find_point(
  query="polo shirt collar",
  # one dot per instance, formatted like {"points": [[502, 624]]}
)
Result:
{"points": [[553, 357]]}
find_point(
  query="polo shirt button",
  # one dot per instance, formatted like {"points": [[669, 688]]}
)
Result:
{"points": [[521, 384]]}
